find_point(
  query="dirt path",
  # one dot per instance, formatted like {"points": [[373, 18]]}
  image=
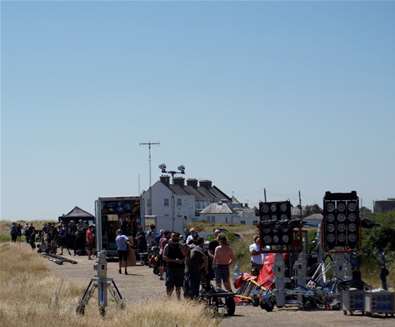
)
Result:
{"points": [[142, 284]]}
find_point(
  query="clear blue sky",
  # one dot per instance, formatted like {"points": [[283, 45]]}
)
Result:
{"points": [[285, 96]]}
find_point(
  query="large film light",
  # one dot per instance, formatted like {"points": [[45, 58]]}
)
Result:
{"points": [[276, 228], [277, 211], [341, 222]]}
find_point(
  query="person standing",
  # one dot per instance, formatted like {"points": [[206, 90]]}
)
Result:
{"points": [[151, 236], [14, 232], [174, 258], [122, 242], [257, 256], [197, 267], [90, 241], [31, 231], [223, 258], [162, 244], [212, 245]]}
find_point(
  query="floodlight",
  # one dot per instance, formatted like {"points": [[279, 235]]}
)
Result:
{"points": [[283, 207], [341, 222], [162, 167], [273, 207], [341, 217], [181, 168], [285, 239], [276, 239], [352, 217], [341, 206], [352, 228], [352, 206], [331, 238], [331, 218], [341, 237], [330, 207], [330, 228], [341, 228], [352, 238]]}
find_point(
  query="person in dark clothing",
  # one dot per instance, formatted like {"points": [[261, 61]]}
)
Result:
{"points": [[197, 268], [71, 231], [31, 239], [141, 244], [62, 239], [174, 258], [14, 232]]}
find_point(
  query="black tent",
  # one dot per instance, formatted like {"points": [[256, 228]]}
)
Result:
{"points": [[77, 214]]}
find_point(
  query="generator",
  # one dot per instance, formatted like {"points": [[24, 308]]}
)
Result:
{"points": [[353, 300], [381, 302]]}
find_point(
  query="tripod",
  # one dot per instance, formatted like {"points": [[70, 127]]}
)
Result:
{"points": [[102, 283]]}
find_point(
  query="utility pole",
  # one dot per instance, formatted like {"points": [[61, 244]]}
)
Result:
{"points": [[139, 184], [300, 205], [149, 144]]}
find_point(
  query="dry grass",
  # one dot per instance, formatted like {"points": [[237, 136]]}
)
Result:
{"points": [[32, 296]]}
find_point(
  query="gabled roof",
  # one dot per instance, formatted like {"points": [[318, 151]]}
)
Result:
{"points": [[194, 191], [177, 189], [77, 212], [216, 209], [210, 194]]}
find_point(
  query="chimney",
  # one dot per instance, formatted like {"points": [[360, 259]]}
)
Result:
{"points": [[192, 182], [165, 180], [178, 181], [206, 183]]}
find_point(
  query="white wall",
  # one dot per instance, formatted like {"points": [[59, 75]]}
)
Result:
{"points": [[164, 213]]}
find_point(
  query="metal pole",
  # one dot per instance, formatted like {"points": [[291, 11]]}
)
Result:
{"points": [[300, 205], [150, 182], [99, 235], [264, 192], [149, 167]]}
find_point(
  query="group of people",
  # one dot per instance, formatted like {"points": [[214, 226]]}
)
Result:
{"points": [[75, 236], [28, 230], [188, 264]]}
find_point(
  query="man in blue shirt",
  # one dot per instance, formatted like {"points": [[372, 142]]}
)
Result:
{"points": [[122, 242]]}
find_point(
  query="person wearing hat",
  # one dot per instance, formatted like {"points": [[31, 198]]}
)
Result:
{"points": [[193, 235], [90, 241]]}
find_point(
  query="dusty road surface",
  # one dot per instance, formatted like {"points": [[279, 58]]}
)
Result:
{"points": [[142, 284]]}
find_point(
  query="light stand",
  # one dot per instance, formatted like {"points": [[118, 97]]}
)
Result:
{"points": [[100, 281]]}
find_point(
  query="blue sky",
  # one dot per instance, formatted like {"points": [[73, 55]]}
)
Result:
{"points": [[282, 95]]}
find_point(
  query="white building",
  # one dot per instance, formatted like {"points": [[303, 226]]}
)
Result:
{"points": [[176, 203], [232, 213]]}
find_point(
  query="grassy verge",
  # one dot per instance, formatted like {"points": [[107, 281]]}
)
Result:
{"points": [[32, 297]]}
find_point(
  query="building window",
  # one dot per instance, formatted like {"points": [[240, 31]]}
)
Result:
{"points": [[166, 202], [149, 203], [243, 222], [226, 219], [179, 202]]}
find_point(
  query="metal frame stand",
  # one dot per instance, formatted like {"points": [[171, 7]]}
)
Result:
{"points": [[100, 281], [279, 280], [102, 284]]}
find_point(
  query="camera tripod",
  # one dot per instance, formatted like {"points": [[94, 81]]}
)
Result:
{"points": [[102, 283]]}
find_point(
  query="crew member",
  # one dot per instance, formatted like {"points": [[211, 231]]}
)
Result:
{"points": [[90, 241], [223, 258], [174, 258], [197, 267], [122, 242], [257, 256]]}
